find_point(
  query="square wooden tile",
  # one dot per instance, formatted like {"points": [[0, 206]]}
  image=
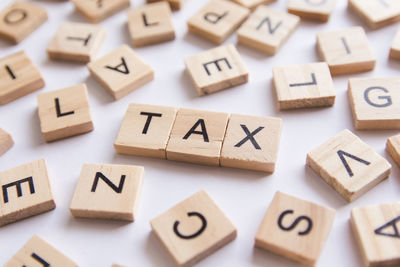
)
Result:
{"points": [[18, 77], [294, 228], [251, 142], [374, 103], [174, 4], [252, 4], [76, 42], [37, 252], [26, 192], [217, 20], [267, 29], [151, 24], [346, 51], [107, 191], [121, 71], [395, 47], [193, 229], [98, 10], [6, 141], [304, 86], [19, 20], [64, 113], [393, 148], [320, 10], [377, 234], [376, 13], [216, 69], [145, 130], [348, 165]]}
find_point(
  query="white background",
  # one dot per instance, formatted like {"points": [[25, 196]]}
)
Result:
{"points": [[243, 195]]}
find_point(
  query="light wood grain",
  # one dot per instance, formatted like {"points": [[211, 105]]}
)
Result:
{"points": [[395, 47], [6, 142], [174, 4], [252, 4], [96, 11], [315, 10], [393, 148]]}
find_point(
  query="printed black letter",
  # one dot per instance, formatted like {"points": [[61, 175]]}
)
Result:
{"points": [[148, 121], [85, 41], [146, 23], [249, 136], [117, 68], [14, 16], [387, 98], [99, 176], [270, 28], [201, 230], [213, 17], [39, 259], [342, 154], [58, 109], [346, 46], [392, 224], [313, 82], [216, 63], [295, 223], [10, 72], [203, 131], [17, 184]]}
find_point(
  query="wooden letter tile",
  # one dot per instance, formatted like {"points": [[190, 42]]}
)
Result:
{"points": [[193, 229], [216, 69], [64, 113], [319, 10], [395, 48], [251, 143], [6, 141], [295, 228], [197, 136], [304, 86], [175, 4], [267, 29], [252, 4], [145, 130], [121, 72], [19, 20], [18, 77], [217, 20], [374, 103], [151, 24], [26, 192], [377, 233], [76, 42], [346, 51], [108, 192], [393, 148], [348, 165], [98, 10]]}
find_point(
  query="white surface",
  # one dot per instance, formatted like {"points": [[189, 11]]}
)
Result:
{"points": [[243, 195]]}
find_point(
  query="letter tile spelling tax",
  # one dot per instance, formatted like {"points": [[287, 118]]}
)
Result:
{"points": [[375, 103], [393, 148], [216, 69], [395, 47], [294, 228], [174, 4], [18, 77], [121, 72], [377, 234], [76, 42], [376, 13], [217, 20], [6, 142], [346, 51], [252, 4], [251, 143], [145, 130], [19, 20], [26, 192], [98, 10], [348, 165], [38, 253], [304, 86], [64, 113], [320, 10], [107, 191], [267, 29], [151, 24], [193, 229]]}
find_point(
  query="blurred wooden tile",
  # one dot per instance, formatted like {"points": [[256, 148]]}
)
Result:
{"points": [[37, 252], [267, 29], [145, 130], [252, 4], [64, 113], [76, 42], [304, 86], [395, 47], [121, 71], [19, 20], [197, 136], [319, 10], [98, 10], [374, 103], [151, 24], [346, 51], [294, 228], [393, 148], [348, 165], [216, 69], [217, 20], [251, 143], [18, 77], [174, 4], [193, 229], [377, 234], [6, 141], [107, 191], [26, 192]]}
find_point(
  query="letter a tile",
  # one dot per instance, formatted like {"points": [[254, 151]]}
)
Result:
{"points": [[319, 10], [252, 4], [6, 141], [295, 228], [98, 10], [348, 165], [193, 229], [26, 192], [108, 192]]}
